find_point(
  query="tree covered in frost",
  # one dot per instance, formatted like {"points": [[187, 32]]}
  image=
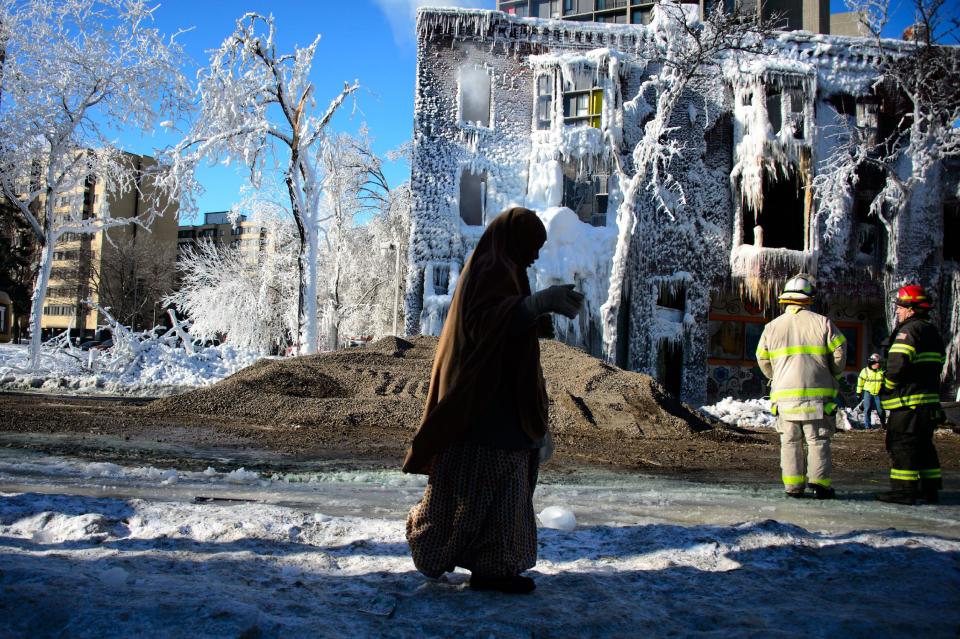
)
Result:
{"points": [[257, 106], [73, 72], [369, 282], [253, 302], [921, 74], [686, 50], [353, 184]]}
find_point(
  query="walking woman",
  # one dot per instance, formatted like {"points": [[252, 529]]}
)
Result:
{"points": [[485, 417]]}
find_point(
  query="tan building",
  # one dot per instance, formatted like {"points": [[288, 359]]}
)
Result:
{"points": [[248, 237], [127, 272], [809, 15]]}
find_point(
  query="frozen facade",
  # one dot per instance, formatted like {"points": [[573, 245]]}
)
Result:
{"points": [[547, 114]]}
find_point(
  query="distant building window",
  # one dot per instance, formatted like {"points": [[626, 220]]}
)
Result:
{"points": [[582, 100], [182, 234], [59, 310], [643, 15], [475, 96], [473, 197], [544, 101]]}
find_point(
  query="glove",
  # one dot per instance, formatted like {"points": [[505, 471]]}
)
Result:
{"points": [[560, 299]]}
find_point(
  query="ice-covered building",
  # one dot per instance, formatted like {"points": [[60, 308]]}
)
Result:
{"points": [[680, 280]]}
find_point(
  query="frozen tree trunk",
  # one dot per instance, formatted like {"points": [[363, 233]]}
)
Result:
{"points": [[39, 295]]}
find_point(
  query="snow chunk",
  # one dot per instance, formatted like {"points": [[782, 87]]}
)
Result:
{"points": [[557, 517]]}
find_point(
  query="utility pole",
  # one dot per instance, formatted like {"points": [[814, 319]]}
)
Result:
{"points": [[393, 246]]}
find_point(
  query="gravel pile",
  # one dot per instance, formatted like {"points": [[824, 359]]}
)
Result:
{"points": [[385, 385]]}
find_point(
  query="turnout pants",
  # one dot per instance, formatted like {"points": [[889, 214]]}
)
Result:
{"points": [[814, 465], [915, 466]]}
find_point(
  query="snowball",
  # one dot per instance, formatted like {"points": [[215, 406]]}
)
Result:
{"points": [[557, 517]]}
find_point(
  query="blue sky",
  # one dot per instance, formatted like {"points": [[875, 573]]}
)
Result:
{"points": [[369, 40]]}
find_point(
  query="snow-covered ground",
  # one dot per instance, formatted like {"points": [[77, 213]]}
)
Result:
{"points": [[157, 371], [92, 549], [755, 413]]}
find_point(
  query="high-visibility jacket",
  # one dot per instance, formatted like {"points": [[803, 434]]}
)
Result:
{"points": [[915, 358], [803, 353], [870, 380]]}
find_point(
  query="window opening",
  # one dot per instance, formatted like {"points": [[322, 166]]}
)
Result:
{"points": [[588, 197], [473, 197], [441, 279], [582, 100], [797, 100], [774, 113], [544, 101], [951, 228], [672, 295], [475, 96], [781, 220], [670, 366], [868, 231]]}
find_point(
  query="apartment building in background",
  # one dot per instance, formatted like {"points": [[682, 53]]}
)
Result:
{"points": [[124, 268], [807, 15], [248, 237]]}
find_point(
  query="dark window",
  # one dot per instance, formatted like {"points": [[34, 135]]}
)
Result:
{"points": [[869, 235], [587, 197], [781, 221], [473, 197], [951, 228], [441, 279]]}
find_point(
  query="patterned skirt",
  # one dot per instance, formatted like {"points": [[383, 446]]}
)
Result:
{"points": [[476, 513]]}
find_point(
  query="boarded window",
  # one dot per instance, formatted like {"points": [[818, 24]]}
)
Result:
{"points": [[475, 96], [473, 197]]}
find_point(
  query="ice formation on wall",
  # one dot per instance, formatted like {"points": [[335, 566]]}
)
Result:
{"points": [[690, 164]]}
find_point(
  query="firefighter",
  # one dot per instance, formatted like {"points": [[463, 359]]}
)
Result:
{"points": [[868, 389], [803, 353], [911, 397]]}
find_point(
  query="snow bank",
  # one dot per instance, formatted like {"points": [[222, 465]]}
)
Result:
{"points": [[750, 412], [160, 370]]}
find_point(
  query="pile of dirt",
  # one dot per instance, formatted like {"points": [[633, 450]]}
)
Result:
{"points": [[384, 387]]}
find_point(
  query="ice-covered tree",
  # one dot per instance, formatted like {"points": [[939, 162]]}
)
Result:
{"points": [[685, 49], [74, 72], [919, 80], [354, 185], [251, 299], [257, 107]]}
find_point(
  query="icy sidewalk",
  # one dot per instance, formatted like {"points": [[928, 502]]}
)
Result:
{"points": [[323, 554]]}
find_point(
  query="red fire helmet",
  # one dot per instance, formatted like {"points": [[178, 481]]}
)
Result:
{"points": [[913, 296]]}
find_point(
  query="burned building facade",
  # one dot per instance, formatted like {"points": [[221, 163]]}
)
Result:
{"points": [[551, 115]]}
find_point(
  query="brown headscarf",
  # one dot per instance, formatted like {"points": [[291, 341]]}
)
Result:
{"points": [[476, 345]]}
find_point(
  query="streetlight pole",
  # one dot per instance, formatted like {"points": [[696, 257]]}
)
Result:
{"points": [[393, 246]]}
